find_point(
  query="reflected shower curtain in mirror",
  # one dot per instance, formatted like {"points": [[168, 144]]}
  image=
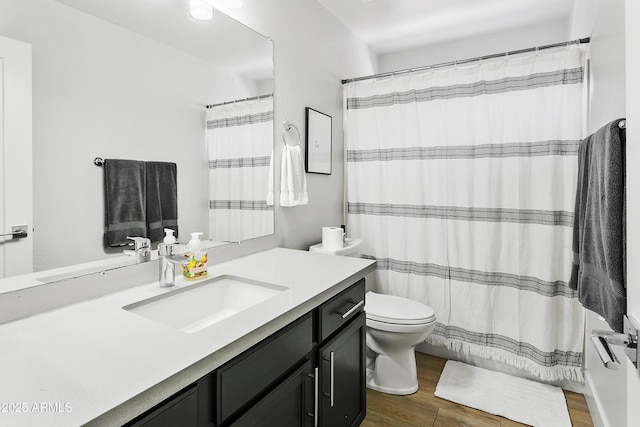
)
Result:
{"points": [[240, 144], [462, 183]]}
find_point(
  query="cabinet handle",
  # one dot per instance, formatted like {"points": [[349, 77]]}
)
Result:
{"points": [[315, 397], [331, 362], [331, 393], [352, 309]]}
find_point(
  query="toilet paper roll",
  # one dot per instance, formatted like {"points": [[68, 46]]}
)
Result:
{"points": [[332, 237]]}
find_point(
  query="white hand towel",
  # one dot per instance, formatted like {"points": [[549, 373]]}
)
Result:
{"points": [[293, 181]]}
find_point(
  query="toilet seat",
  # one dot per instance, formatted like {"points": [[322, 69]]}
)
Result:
{"points": [[398, 327], [396, 314]]}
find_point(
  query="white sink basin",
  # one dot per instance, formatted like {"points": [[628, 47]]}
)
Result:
{"points": [[201, 305]]}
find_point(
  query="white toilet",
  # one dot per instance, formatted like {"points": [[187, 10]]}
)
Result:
{"points": [[395, 326]]}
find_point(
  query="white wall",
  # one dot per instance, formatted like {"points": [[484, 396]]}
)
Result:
{"points": [[522, 38], [604, 22]]}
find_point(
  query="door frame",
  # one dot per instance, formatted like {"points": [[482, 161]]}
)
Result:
{"points": [[16, 156]]}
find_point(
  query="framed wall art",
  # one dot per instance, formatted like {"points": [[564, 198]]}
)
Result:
{"points": [[318, 149]]}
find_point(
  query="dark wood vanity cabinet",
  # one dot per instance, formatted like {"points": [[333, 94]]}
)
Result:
{"points": [[336, 361], [310, 373]]}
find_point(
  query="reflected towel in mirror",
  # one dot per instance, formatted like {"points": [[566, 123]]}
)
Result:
{"points": [[125, 201], [162, 199]]}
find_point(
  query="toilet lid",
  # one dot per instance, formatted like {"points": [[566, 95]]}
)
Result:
{"points": [[393, 309]]}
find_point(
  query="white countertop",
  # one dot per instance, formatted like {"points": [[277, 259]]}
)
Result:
{"points": [[94, 362]]}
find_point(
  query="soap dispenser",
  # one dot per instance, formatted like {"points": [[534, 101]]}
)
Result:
{"points": [[196, 266], [167, 250], [168, 243], [169, 238]]}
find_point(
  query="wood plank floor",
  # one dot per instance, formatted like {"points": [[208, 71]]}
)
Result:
{"points": [[423, 409]]}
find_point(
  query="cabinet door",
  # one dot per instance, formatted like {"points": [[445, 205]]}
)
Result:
{"points": [[180, 409], [290, 404], [342, 377], [246, 378]]}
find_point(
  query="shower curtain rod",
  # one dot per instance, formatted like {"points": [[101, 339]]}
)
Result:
{"points": [[466, 61], [269, 95]]}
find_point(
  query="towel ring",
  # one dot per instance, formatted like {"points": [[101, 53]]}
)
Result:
{"points": [[286, 126]]}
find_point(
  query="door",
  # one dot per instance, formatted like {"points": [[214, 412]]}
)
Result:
{"points": [[342, 377], [16, 182]]}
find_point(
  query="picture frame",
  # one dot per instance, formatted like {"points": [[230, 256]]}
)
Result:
{"points": [[318, 151]]}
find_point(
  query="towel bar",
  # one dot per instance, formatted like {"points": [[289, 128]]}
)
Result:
{"points": [[286, 126], [17, 232], [629, 340]]}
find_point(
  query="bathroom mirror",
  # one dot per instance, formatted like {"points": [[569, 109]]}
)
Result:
{"points": [[129, 80]]}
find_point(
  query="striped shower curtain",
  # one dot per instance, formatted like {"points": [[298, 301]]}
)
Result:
{"points": [[240, 144], [462, 183]]}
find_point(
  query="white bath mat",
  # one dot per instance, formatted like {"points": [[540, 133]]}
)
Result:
{"points": [[515, 398]]}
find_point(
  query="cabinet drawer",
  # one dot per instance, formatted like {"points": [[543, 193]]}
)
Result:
{"points": [[340, 309], [245, 377]]}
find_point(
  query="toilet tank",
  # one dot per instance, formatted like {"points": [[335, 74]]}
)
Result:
{"points": [[351, 248]]}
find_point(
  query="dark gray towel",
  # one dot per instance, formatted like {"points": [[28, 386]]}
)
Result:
{"points": [[162, 199], [125, 201], [599, 246]]}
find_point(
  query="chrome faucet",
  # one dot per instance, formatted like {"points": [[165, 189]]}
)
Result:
{"points": [[142, 249], [168, 257]]}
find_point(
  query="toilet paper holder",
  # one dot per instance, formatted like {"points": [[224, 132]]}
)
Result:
{"points": [[628, 339]]}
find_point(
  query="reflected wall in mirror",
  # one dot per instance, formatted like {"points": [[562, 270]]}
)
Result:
{"points": [[131, 80]]}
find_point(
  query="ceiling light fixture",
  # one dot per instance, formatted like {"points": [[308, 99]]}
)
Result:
{"points": [[200, 10]]}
